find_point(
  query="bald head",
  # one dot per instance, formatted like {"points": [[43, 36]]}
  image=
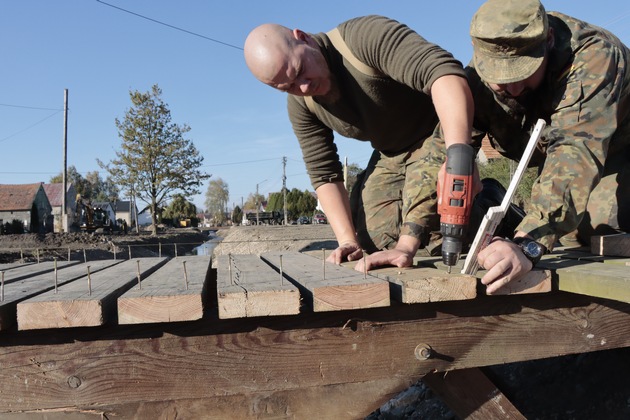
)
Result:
{"points": [[267, 50], [287, 60]]}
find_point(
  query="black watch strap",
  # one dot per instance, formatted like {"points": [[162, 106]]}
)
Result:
{"points": [[532, 249]]}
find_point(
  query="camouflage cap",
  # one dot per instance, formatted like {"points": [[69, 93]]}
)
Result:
{"points": [[509, 39]]}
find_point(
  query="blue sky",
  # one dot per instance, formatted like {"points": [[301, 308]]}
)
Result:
{"points": [[240, 126]]}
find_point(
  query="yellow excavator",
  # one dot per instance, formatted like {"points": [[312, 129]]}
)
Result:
{"points": [[91, 218]]}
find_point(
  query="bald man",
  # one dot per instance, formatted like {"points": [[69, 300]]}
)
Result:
{"points": [[371, 79]]}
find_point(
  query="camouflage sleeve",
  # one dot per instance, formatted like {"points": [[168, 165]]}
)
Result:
{"points": [[578, 136]]}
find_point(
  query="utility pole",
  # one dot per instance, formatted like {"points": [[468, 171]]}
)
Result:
{"points": [[284, 188], [345, 173], [64, 216]]}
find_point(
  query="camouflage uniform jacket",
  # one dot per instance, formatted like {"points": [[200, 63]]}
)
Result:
{"points": [[585, 100], [393, 111]]}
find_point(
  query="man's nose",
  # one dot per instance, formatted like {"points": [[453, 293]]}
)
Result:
{"points": [[514, 89]]}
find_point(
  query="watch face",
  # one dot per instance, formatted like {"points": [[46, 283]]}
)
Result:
{"points": [[532, 249]]}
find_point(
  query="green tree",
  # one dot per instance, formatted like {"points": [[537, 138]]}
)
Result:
{"points": [[502, 169], [275, 202], [237, 215], [179, 209], [353, 172], [155, 160], [81, 185], [217, 196]]}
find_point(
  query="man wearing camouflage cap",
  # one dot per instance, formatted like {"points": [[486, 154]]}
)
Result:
{"points": [[530, 64]]}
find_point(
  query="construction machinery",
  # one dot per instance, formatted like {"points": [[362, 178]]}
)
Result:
{"points": [[90, 218]]}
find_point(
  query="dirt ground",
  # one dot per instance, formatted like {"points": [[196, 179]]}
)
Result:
{"points": [[588, 386]]}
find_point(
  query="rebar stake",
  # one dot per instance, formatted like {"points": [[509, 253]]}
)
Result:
{"points": [[281, 271], [129, 247], [2, 287], [185, 275], [84, 256], [138, 271], [69, 253], [324, 265], [230, 267], [160, 249], [89, 281], [55, 264]]}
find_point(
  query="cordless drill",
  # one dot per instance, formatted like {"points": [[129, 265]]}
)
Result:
{"points": [[457, 197]]}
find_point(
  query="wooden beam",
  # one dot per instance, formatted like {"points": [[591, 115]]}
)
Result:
{"points": [[26, 287], [617, 245], [87, 302], [249, 287], [174, 293], [330, 287], [24, 271], [90, 368], [607, 281], [471, 395]]}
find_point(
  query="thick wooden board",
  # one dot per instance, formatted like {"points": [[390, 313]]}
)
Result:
{"points": [[536, 281], [20, 290], [23, 271], [471, 395], [329, 287], [611, 245], [420, 284], [95, 368], [607, 281], [249, 287], [173, 293], [423, 284], [10, 266], [74, 305]]}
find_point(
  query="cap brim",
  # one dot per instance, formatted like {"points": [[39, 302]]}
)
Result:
{"points": [[507, 69]]}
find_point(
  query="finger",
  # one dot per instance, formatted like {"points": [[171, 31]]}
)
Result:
{"points": [[355, 255], [500, 269]]}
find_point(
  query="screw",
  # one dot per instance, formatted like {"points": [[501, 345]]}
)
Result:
{"points": [[423, 351]]}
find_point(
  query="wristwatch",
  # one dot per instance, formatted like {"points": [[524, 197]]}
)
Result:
{"points": [[532, 249]]}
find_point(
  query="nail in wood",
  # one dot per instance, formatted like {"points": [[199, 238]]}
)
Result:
{"points": [[138, 268], [89, 281], [129, 247], [281, 271], [364, 264], [55, 264], [84, 256], [324, 265], [230, 267], [185, 274], [2, 287]]}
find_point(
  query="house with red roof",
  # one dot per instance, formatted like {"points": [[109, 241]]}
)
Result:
{"points": [[27, 203], [54, 192]]}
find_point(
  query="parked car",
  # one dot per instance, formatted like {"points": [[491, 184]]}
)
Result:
{"points": [[320, 219], [303, 220]]}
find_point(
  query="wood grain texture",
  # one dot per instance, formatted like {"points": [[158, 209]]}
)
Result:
{"points": [[174, 293], [39, 282], [607, 281], [75, 305], [151, 365], [471, 395], [611, 245], [249, 287], [329, 287]]}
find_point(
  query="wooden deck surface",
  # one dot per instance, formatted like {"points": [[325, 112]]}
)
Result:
{"points": [[255, 338]]}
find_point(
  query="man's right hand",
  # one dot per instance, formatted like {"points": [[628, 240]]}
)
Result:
{"points": [[349, 250]]}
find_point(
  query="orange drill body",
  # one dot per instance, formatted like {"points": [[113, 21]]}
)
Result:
{"points": [[457, 199]]}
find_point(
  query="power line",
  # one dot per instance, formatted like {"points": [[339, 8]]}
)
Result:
{"points": [[170, 26], [240, 163], [31, 107], [31, 126]]}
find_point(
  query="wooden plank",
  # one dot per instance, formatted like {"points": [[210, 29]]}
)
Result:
{"points": [[329, 287], [112, 366], [420, 284], [20, 290], [535, 281], [607, 281], [77, 305], [423, 284], [249, 287], [617, 245], [173, 293], [471, 395], [29, 270], [10, 266]]}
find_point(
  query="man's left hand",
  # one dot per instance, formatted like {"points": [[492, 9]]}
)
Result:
{"points": [[393, 257]]}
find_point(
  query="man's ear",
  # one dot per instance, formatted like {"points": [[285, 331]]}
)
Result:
{"points": [[301, 35]]}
